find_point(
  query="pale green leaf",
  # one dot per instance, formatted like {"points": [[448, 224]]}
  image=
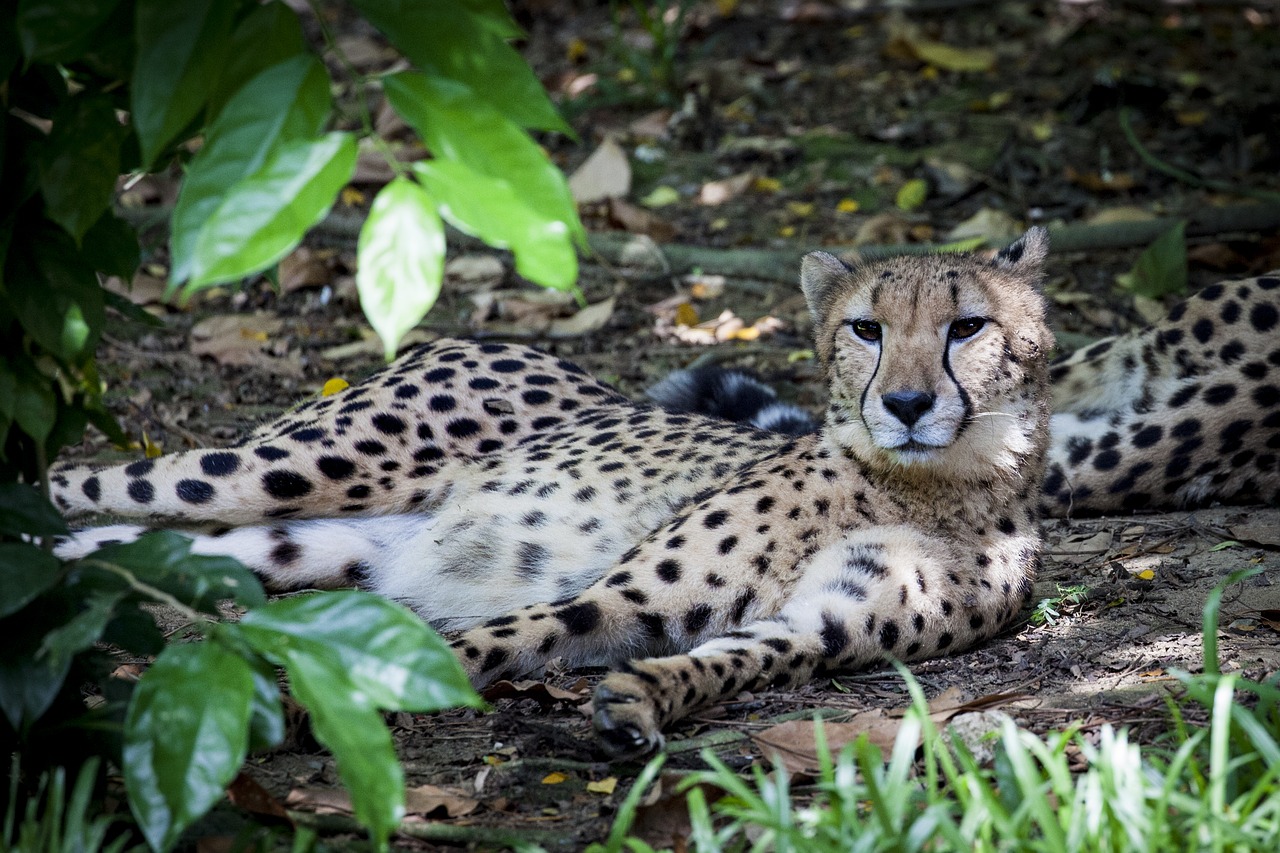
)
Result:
{"points": [[401, 261], [1161, 269]]}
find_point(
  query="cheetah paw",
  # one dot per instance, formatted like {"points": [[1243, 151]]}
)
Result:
{"points": [[625, 717]]}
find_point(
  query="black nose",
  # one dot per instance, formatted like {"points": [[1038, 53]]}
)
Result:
{"points": [[908, 406]]}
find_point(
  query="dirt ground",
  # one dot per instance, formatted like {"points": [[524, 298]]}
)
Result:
{"points": [[830, 112]]}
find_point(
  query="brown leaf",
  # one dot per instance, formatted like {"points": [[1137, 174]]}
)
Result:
{"points": [[651, 125], [883, 229], [474, 272], [605, 174], [794, 744], [143, 290], [1270, 618], [1102, 181], [718, 192], [305, 267], [320, 801], [245, 792], [589, 319], [539, 691], [637, 220], [426, 799], [1262, 526], [244, 340]]}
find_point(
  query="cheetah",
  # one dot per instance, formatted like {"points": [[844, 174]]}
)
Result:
{"points": [[507, 496]]}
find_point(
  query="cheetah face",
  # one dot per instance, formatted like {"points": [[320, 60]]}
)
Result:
{"points": [[936, 364]]}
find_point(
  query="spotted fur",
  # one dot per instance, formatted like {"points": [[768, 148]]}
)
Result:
{"points": [[500, 492]]}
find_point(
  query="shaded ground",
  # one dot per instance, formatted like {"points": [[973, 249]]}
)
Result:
{"points": [[830, 113]]}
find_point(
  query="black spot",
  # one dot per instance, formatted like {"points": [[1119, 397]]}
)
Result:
{"points": [[834, 637], [727, 544], [581, 618], [483, 383], [335, 467], [141, 491], [669, 571], [675, 542], [494, 659], [283, 484], [697, 617], [1006, 526], [220, 464], [407, 392], [1203, 330], [715, 519], [307, 435], [371, 447], [439, 374], [536, 397], [442, 403], [944, 640], [462, 428], [271, 454], [1218, 395], [137, 469], [193, 491], [388, 424], [1148, 436], [1266, 396], [1263, 317], [1106, 460], [507, 365], [652, 625], [285, 553], [92, 489], [531, 559], [359, 492], [888, 634]]}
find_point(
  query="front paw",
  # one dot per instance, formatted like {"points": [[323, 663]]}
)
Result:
{"points": [[626, 716]]}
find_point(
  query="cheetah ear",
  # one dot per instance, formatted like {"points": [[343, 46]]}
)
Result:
{"points": [[819, 273], [1026, 254]]}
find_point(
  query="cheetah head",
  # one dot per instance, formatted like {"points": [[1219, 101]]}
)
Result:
{"points": [[936, 364]]}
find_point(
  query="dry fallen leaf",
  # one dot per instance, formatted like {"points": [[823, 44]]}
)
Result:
{"points": [[718, 192], [604, 786], [637, 220], [305, 267], [426, 799], [605, 174], [245, 340], [1262, 526], [144, 289], [555, 778], [474, 272], [589, 319], [539, 691], [245, 792], [795, 747]]}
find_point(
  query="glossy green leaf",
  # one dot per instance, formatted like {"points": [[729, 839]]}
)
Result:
{"points": [[54, 294], [269, 34], [27, 570], [110, 246], [185, 737], [266, 719], [387, 653], [263, 217], [489, 208], [80, 163], [288, 101], [1161, 269], [466, 42], [181, 47], [58, 31], [29, 684], [346, 723], [82, 631], [23, 510], [401, 261], [35, 408], [456, 126], [163, 559]]}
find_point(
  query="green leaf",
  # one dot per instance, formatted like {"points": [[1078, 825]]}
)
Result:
{"points": [[262, 218], [23, 510], [387, 653], [401, 261], [111, 247], [54, 294], [185, 737], [456, 126], [58, 32], [26, 569], [288, 101], [82, 631], [28, 684], [35, 408], [354, 731], [468, 45], [266, 36], [912, 194], [266, 720], [491, 209], [163, 559], [1161, 269], [181, 49], [80, 162]]}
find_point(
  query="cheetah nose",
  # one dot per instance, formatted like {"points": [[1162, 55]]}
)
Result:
{"points": [[908, 406]]}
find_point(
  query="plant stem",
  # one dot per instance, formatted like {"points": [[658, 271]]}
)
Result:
{"points": [[158, 595]]}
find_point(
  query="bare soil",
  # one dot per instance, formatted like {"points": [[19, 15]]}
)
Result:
{"points": [[828, 105]]}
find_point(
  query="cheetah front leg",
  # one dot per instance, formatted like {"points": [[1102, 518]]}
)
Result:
{"points": [[864, 600]]}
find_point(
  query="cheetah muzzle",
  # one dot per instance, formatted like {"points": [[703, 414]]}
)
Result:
{"points": [[507, 496]]}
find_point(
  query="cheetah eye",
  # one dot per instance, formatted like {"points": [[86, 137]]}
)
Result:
{"points": [[868, 330], [965, 327]]}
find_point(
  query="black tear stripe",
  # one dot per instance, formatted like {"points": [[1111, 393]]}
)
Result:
{"points": [[866, 389], [965, 400]]}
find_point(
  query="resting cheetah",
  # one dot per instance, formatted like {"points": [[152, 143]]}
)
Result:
{"points": [[503, 493]]}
